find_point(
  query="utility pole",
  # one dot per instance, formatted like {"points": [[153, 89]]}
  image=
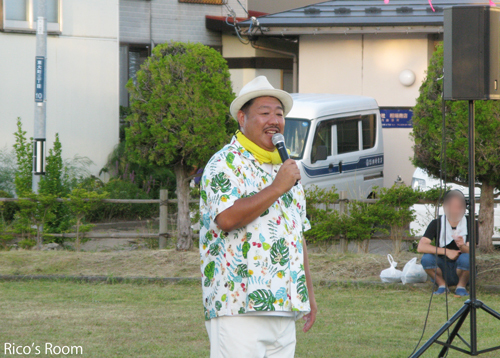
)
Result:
{"points": [[40, 95]]}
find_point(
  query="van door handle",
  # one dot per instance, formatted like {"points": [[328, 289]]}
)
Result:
{"points": [[340, 167]]}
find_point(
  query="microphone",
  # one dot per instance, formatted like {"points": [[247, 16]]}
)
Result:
{"points": [[279, 142]]}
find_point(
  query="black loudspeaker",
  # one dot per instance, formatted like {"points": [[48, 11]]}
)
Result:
{"points": [[471, 53]]}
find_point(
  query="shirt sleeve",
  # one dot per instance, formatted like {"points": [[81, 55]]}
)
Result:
{"points": [[431, 231], [221, 185]]}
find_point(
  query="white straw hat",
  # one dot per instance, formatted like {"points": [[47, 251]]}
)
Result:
{"points": [[260, 87]]}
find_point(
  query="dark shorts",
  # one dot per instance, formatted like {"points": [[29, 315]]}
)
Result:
{"points": [[448, 267]]}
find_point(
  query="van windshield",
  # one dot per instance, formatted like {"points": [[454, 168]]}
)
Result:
{"points": [[296, 130]]}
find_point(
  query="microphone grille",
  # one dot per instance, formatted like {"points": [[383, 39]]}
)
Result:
{"points": [[277, 138]]}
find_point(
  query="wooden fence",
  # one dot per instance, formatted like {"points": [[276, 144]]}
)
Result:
{"points": [[163, 202]]}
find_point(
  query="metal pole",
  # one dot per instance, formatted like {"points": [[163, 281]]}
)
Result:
{"points": [[40, 94], [472, 228]]}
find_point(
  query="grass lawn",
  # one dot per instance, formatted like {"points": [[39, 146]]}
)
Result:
{"points": [[130, 320]]}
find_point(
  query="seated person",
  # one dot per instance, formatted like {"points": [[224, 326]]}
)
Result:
{"points": [[451, 265]]}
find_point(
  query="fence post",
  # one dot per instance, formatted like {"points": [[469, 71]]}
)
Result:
{"points": [[162, 236], [343, 244]]}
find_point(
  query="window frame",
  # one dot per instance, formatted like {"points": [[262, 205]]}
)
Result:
{"points": [[334, 137], [29, 25]]}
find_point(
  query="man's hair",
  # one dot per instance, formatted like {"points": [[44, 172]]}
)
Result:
{"points": [[454, 193]]}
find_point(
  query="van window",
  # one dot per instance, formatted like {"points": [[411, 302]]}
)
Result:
{"points": [[347, 136], [322, 137], [295, 134], [369, 125]]}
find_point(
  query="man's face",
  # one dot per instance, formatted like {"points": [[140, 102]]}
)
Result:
{"points": [[261, 120], [454, 208]]}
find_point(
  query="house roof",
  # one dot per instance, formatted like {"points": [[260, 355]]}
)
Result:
{"points": [[361, 13]]}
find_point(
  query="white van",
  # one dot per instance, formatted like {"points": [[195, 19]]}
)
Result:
{"points": [[337, 139]]}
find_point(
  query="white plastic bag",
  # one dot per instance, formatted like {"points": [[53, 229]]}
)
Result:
{"points": [[413, 272], [391, 275]]}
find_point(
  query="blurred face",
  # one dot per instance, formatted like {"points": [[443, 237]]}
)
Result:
{"points": [[454, 208], [260, 121]]}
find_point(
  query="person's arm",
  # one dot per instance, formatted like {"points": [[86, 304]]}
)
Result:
{"points": [[425, 247], [462, 245], [311, 316], [246, 210]]}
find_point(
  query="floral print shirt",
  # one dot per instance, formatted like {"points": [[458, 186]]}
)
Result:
{"points": [[259, 267]]}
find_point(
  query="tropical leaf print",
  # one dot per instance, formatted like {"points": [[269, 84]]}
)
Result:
{"points": [[302, 288], [203, 195], [220, 182], [206, 283], [209, 270], [280, 252], [264, 213], [230, 157], [245, 249], [214, 249], [287, 199], [218, 305], [242, 270], [262, 300]]}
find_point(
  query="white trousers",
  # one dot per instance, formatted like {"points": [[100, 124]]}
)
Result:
{"points": [[251, 337]]}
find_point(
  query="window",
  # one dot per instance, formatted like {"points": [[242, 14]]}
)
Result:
{"points": [[295, 136], [347, 136], [22, 15], [369, 126], [322, 138]]}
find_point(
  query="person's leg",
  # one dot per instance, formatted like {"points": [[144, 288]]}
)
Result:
{"points": [[433, 269], [463, 274], [284, 347]]}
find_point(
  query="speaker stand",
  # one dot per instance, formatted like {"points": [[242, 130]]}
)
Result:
{"points": [[470, 306]]}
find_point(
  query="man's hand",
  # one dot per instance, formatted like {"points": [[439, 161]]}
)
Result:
{"points": [[460, 241], [287, 176], [310, 317], [453, 254]]}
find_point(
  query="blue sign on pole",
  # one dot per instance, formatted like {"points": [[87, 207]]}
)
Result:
{"points": [[39, 79], [396, 117]]}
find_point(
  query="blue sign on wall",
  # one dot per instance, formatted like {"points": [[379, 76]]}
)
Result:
{"points": [[396, 117], [39, 78]]}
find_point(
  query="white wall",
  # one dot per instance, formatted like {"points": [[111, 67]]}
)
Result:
{"points": [[369, 65], [82, 81]]}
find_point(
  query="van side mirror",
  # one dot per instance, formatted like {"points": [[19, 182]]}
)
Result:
{"points": [[321, 152]]}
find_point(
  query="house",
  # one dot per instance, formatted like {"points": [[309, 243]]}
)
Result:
{"points": [[349, 47], [82, 74]]}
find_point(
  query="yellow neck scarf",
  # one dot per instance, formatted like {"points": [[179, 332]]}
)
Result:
{"points": [[262, 155]]}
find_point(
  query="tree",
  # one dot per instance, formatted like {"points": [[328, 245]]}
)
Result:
{"points": [[427, 133], [180, 116], [24, 158]]}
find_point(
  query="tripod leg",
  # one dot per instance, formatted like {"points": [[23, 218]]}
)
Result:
{"points": [[462, 311], [490, 311], [454, 332]]}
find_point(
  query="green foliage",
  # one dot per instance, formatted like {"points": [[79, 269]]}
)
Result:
{"points": [[7, 209], [24, 157], [427, 131], [119, 189], [81, 202], [8, 169], [54, 183], [360, 221], [147, 176], [182, 93]]}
